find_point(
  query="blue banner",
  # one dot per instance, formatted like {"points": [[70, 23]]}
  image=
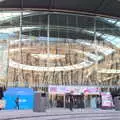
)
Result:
{"points": [[25, 96]]}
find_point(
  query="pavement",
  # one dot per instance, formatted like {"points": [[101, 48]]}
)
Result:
{"points": [[60, 114]]}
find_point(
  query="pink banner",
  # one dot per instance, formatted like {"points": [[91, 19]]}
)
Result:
{"points": [[107, 101], [75, 90]]}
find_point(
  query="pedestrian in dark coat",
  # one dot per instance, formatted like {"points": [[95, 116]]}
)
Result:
{"points": [[17, 103], [71, 103], [81, 102]]}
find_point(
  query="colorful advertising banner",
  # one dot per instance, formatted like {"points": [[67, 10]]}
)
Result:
{"points": [[92, 91], [25, 96], [3, 60], [75, 90], [107, 101]]}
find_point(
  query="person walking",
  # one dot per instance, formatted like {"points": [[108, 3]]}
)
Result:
{"points": [[71, 103], [81, 102], [17, 103], [50, 103]]}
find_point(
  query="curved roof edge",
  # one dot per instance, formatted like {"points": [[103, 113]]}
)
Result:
{"points": [[108, 8], [61, 10]]}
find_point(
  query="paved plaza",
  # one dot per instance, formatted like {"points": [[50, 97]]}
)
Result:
{"points": [[60, 114]]}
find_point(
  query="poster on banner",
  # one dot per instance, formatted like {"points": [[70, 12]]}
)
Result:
{"points": [[107, 101], [92, 91], [53, 89], [75, 90]]}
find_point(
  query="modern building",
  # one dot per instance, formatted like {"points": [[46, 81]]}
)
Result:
{"points": [[54, 42]]}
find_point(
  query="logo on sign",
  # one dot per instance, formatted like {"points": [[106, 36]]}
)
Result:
{"points": [[22, 100], [53, 89]]}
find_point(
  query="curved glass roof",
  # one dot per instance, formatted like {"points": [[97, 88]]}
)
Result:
{"points": [[113, 39], [73, 36], [6, 32]]}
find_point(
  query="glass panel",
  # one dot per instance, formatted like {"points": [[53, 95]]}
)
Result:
{"points": [[59, 48], [111, 41]]}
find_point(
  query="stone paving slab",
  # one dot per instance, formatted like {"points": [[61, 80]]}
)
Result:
{"points": [[60, 114]]}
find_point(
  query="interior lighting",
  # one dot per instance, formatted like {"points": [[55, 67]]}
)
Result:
{"points": [[2, 0]]}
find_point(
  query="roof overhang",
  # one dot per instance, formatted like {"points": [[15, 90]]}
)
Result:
{"points": [[108, 8]]}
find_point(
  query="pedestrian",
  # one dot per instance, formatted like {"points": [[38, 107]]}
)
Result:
{"points": [[54, 103], [17, 103], [50, 103], [81, 102], [71, 103], [98, 102]]}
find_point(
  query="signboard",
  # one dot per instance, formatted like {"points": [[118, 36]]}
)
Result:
{"points": [[65, 89], [25, 98], [107, 101], [75, 90], [92, 91]]}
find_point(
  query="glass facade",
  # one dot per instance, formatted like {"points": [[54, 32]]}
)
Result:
{"points": [[51, 48]]}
